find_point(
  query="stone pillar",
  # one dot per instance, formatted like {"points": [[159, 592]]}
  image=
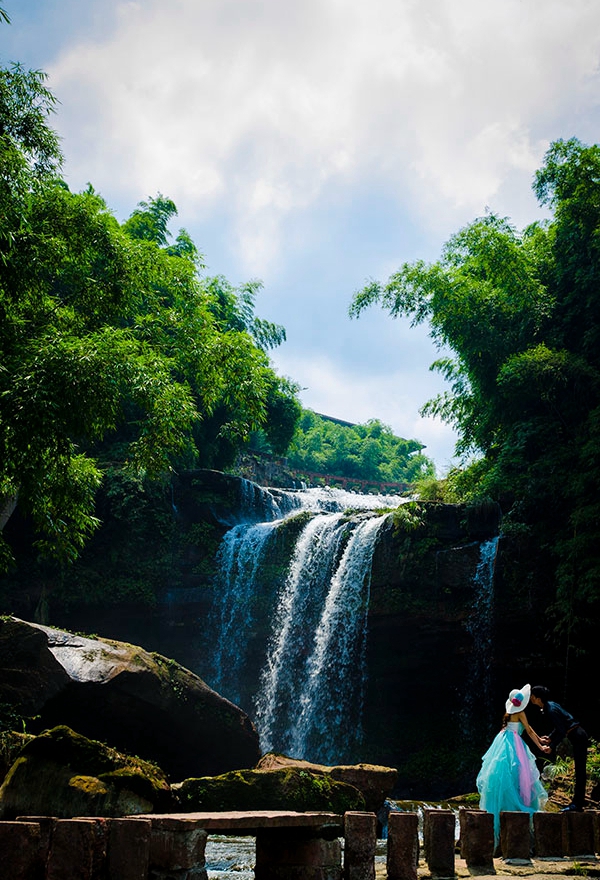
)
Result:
{"points": [[439, 842], [128, 851], [21, 855], [77, 849], [515, 835], [548, 835], [477, 838], [579, 834], [402, 846], [360, 838], [294, 854], [177, 849]]}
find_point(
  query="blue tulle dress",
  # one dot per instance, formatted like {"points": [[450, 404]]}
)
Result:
{"points": [[509, 778]]}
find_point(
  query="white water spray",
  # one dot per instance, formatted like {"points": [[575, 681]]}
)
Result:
{"points": [[310, 694]]}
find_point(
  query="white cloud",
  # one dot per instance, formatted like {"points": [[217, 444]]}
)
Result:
{"points": [[393, 396], [269, 121], [259, 103]]}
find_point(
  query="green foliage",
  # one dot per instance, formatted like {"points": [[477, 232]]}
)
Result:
{"points": [[365, 452], [112, 345], [11, 718], [29, 146], [459, 486], [408, 518], [119, 565], [593, 761], [150, 220], [233, 309], [520, 314], [560, 776]]}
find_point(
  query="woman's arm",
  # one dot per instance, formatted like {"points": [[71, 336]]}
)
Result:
{"points": [[531, 733]]}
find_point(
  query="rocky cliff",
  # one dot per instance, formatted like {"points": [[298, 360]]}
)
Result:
{"points": [[443, 648]]}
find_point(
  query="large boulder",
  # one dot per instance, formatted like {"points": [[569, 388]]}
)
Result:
{"points": [[375, 783], [287, 788], [135, 701], [63, 774], [30, 674]]}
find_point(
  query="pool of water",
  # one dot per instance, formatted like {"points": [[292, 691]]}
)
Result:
{"points": [[232, 858]]}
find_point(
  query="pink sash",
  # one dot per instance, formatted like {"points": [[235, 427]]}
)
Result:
{"points": [[526, 779]]}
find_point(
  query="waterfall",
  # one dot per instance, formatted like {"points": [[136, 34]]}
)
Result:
{"points": [[297, 614], [331, 700], [309, 694], [480, 625], [238, 559]]}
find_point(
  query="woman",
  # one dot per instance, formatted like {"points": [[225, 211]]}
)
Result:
{"points": [[509, 778]]}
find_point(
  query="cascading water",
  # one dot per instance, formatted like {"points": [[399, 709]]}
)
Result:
{"points": [[297, 613], [335, 680], [480, 623], [239, 558], [309, 696]]}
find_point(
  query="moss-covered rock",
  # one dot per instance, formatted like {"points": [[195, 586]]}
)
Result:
{"points": [[374, 782], [11, 746], [61, 773], [288, 788], [136, 701]]}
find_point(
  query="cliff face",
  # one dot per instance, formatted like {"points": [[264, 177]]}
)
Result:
{"points": [[443, 649], [431, 611]]}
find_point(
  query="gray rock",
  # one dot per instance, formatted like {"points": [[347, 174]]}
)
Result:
{"points": [[135, 701]]}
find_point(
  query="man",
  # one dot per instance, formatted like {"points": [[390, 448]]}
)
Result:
{"points": [[565, 725]]}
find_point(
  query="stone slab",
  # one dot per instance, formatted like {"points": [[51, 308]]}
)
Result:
{"points": [[245, 821], [579, 837], [548, 834], [250, 822]]}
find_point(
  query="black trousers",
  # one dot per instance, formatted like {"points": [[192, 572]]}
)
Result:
{"points": [[579, 740]]}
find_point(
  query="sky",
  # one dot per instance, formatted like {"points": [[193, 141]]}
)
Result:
{"points": [[316, 145]]}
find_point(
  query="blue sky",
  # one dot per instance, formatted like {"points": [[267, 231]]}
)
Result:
{"points": [[315, 144]]}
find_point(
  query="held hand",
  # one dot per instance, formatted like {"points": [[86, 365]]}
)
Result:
{"points": [[546, 749], [545, 740]]}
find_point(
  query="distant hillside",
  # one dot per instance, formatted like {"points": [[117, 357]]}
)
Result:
{"points": [[327, 445]]}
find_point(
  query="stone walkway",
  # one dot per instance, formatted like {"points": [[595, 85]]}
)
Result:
{"points": [[536, 869]]}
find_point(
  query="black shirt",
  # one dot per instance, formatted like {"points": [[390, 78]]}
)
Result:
{"points": [[562, 720]]}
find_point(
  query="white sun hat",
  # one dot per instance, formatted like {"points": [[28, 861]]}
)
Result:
{"points": [[518, 699]]}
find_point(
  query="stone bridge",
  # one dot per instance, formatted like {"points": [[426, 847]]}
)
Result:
{"points": [[289, 846]]}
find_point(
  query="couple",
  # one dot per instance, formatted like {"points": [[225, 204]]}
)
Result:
{"points": [[509, 778]]}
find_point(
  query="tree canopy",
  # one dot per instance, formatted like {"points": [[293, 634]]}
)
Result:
{"points": [[520, 312], [112, 342], [365, 452]]}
